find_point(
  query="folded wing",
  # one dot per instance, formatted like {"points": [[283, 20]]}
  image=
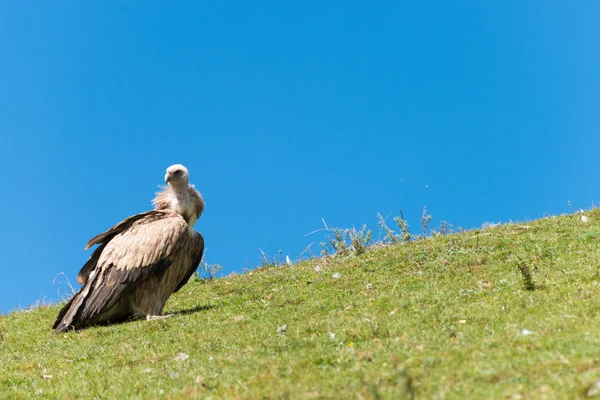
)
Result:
{"points": [[197, 251]]}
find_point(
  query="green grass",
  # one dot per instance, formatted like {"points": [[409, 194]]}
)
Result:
{"points": [[444, 319]]}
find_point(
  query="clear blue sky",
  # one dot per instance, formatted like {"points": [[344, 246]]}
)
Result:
{"points": [[286, 113]]}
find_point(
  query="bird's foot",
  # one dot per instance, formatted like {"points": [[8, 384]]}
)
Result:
{"points": [[151, 317]]}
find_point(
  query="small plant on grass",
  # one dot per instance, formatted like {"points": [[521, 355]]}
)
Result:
{"points": [[360, 239], [425, 220], [390, 235], [445, 228], [208, 271], [405, 234], [337, 241], [526, 274], [266, 261]]}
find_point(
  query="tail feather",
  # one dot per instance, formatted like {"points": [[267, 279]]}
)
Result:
{"points": [[68, 315], [61, 315]]}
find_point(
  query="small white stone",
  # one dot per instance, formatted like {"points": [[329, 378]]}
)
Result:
{"points": [[318, 269], [282, 328], [211, 358], [585, 219], [526, 332], [336, 275], [593, 389], [331, 335], [181, 357], [369, 286]]}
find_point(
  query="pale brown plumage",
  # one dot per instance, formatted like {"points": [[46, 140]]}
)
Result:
{"points": [[140, 261]]}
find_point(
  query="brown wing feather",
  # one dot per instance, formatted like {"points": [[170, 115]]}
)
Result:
{"points": [[103, 238], [197, 251], [120, 227], [90, 265], [140, 248]]}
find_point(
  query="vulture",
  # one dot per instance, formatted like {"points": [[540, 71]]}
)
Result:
{"points": [[140, 261]]}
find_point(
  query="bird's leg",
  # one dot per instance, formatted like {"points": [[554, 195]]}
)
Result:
{"points": [[154, 312], [151, 317]]}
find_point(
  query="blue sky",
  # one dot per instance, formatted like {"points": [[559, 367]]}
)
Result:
{"points": [[286, 113]]}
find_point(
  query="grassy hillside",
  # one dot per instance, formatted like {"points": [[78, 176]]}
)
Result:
{"points": [[507, 312]]}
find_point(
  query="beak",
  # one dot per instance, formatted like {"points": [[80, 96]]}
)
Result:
{"points": [[168, 177]]}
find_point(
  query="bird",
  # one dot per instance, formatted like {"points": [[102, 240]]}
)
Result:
{"points": [[140, 261]]}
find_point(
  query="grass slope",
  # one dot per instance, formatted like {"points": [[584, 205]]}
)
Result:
{"points": [[444, 318]]}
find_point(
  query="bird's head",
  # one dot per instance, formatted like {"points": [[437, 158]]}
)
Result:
{"points": [[177, 175]]}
